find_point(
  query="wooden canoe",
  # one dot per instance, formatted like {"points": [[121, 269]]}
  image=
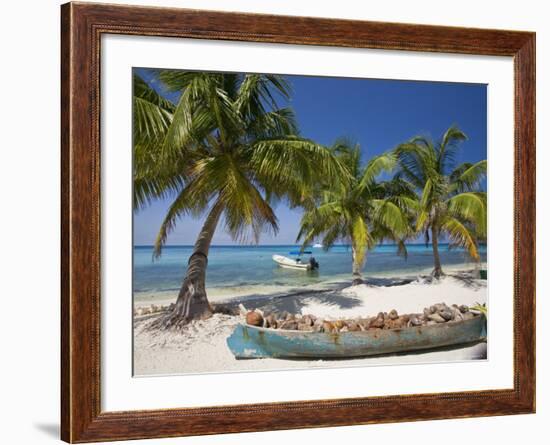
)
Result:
{"points": [[253, 342]]}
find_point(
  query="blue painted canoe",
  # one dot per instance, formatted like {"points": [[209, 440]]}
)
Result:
{"points": [[253, 342]]}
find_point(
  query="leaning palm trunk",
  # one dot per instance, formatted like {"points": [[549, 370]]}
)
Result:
{"points": [[192, 302], [357, 266], [437, 272]]}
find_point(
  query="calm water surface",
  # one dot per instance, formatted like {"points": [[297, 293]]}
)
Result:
{"points": [[231, 266]]}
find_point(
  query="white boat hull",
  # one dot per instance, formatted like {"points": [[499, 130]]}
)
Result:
{"points": [[289, 263]]}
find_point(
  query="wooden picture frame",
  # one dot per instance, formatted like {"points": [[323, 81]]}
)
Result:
{"points": [[82, 26]]}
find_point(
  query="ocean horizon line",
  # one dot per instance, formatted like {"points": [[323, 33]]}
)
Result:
{"points": [[286, 245]]}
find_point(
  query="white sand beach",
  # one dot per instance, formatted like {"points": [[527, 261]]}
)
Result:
{"points": [[201, 346]]}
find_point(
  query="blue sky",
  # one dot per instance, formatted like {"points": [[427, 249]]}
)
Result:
{"points": [[378, 114]]}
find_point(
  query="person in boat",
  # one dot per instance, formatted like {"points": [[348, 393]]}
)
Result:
{"points": [[313, 263]]}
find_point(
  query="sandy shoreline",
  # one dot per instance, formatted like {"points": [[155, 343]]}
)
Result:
{"points": [[201, 347], [228, 293]]}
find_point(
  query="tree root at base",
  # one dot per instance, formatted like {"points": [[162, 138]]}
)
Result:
{"points": [[174, 321]]}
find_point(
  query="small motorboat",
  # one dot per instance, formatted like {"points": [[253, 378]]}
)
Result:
{"points": [[296, 263], [248, 341]]}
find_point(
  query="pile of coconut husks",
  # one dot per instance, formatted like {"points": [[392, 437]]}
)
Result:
{"points": [[438, 313]]}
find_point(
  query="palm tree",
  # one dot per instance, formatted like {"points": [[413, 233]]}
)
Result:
{"points": [[451, 202], [360, 211], [226, 150]]}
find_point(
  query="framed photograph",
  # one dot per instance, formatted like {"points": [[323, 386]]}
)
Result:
{"points": [[275, 222]]}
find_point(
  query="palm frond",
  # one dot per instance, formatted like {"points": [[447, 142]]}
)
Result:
{"points": [[360, 238], [176, 80], [426, 196], [452, 137], [149, 186], [414, 163], [203, 108], [383, 163], [447, 149], [257, 91], [471, 207], [335, 233], [273, 124], [152, 114], [151, 122], [244, 206], [422, 222], [292, 166], [390, 216], [144, 91], [348, 153], [460, 236], [482, 308], [190, 200], [468, 176]]}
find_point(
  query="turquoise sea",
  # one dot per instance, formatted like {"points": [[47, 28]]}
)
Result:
{"points": [[234, 266]]}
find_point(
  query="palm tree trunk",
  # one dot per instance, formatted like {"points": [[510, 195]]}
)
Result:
{"points": [[192, 302], [437, 272], [357, 267]]}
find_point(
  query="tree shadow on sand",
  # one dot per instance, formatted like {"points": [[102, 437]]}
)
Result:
{"points": [[468, 280], [294, 300]]}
